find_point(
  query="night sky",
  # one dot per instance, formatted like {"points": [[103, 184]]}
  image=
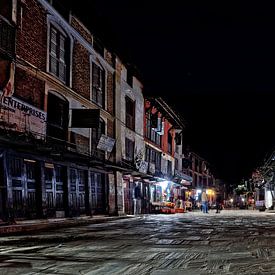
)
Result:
{"points": [[213, 62]]}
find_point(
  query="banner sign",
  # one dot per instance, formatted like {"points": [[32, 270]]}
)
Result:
{"points": [[22, 117]]}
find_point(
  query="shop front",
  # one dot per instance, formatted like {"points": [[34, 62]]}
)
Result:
{"points": [[33, 187], [167, 197], [136, 195]]}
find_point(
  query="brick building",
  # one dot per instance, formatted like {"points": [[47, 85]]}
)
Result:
{"points": [[50, 165], [76, 134]]}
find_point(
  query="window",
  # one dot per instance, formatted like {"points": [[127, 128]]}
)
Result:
{"points": [[58, 117], [95, 136], [59, 55], [151, 134], [129, 149], [7, 37], [130, 113], [153, 156], [98, 85]]}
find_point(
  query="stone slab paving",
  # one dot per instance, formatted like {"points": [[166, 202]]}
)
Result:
{"points": [[232, 242]]}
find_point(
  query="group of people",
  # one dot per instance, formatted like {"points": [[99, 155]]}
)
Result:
{"points": [[204, 202]]}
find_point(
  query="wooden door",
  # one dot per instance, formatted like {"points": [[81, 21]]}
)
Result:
{"points": [[60, 182], [73, 192], [17, 186], [98, 193], [31, 170], [50, 190], [82, 189], [128, 197]]}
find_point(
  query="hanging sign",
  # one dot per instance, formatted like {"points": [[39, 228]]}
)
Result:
{"points": [[106, 143]]}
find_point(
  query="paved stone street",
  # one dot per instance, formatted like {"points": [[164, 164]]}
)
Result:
{"points": [[233, 242]]}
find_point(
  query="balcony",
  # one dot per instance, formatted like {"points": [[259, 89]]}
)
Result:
{"points": [[7, 37]]}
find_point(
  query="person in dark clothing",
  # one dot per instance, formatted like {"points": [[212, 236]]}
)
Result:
{"points": [[218, 203]]}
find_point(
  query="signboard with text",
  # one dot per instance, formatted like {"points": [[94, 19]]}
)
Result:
{"points": [[143, 168], [22, 117], [106, 143]]}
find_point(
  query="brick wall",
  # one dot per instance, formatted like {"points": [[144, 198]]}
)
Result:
{"points": [[29, 89], [75, 23], [110, 93], [31, 43], [110, 128], [81, 70], [81, 142]]}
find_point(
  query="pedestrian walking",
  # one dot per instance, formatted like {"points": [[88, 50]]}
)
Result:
{"points": [[204, 202]]}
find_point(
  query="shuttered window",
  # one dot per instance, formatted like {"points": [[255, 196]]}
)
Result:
{"points": [[98, 85], [59, 52]]}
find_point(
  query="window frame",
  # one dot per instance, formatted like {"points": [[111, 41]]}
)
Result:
{"points": [[130, 116], [151, 134], [129, 149], [95, 135], [56, 124], [60, 59], [98, 87], [153, 156]]}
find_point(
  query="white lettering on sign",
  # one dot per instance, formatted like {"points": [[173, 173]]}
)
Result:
{"points": [[106, 143], [22, 117]]}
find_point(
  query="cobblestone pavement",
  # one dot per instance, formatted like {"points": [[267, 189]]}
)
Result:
{"points": [[232, 242]]}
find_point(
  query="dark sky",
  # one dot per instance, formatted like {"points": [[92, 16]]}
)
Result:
{"points": [[214, 62]]}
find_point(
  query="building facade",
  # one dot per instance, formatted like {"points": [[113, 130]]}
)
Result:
{"points": [[51, 165], [77, 135], [129, 138], [162, 132], [202, 177]]}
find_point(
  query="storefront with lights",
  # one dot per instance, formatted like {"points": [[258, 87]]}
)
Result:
{"points": [[194, 196], [167, 197]]}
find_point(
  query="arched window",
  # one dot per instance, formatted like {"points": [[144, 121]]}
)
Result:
{"points": [[59, 54], [57, 117], [95, 136]]}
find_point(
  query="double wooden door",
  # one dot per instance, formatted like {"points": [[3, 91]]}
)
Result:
{"points": [[78, 192], [25, 178], [98, 193], [56, 188]]}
